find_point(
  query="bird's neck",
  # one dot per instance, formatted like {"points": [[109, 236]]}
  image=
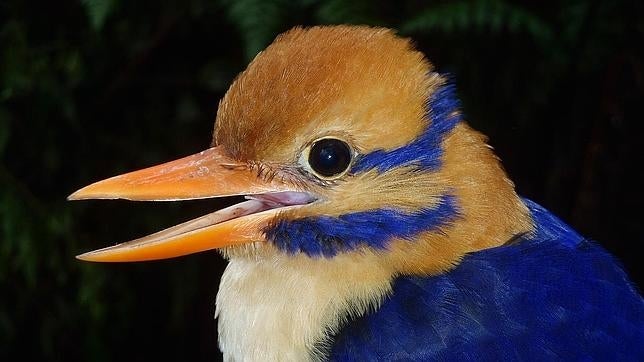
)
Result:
{"points": [[490, 213], [287, 307]]}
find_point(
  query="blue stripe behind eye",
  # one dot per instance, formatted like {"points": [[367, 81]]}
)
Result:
{"points": [[424, 152], [328, 235]]}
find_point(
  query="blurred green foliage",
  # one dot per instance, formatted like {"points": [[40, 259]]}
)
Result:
{"points": [[92, 88]]}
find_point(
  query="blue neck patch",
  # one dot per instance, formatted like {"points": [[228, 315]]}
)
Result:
{"points": [[426, 151], [327, 235]]}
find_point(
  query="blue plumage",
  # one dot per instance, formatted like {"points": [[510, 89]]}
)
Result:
{"points": [[548, 296], [329, 235]]}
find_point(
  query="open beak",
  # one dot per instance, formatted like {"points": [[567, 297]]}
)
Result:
{"points": [[204, 175]]}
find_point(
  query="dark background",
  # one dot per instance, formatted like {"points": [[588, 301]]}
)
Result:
{"points": [[93, 88]]}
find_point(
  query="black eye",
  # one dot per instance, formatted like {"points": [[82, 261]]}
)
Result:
{"points": [[329, 157]]}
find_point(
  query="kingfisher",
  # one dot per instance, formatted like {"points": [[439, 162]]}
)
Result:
{"points": [[377, 224]]}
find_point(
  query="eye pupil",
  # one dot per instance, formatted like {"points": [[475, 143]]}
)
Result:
{"points": [[329, 157]]}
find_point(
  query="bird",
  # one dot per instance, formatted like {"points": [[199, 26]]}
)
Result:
{"points": [[376, 223]]}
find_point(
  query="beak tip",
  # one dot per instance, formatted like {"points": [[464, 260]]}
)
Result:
{"points": [[93, 257], [73, 197], [82, 257], [84, 193], [92, 192]]}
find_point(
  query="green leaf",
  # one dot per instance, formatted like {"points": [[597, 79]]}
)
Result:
{"points": [[98, 11], [493, 16], [346, 12]]}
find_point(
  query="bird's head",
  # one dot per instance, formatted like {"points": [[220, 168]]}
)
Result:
{"points": [[346, 143]]}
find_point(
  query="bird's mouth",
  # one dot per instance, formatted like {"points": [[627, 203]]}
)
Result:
{"points": [[207, 174]]}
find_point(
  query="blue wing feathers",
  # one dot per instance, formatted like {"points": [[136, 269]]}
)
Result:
{"points": [[550, 296]]}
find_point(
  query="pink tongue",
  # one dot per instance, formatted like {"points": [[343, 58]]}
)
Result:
{"points": [[229, 213], [255, 204], [286, 198]]}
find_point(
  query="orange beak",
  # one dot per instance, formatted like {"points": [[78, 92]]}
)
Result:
{"points": [[204, 175]]}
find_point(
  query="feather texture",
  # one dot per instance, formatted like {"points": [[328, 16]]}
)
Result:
{"points": [[550, 295]]}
